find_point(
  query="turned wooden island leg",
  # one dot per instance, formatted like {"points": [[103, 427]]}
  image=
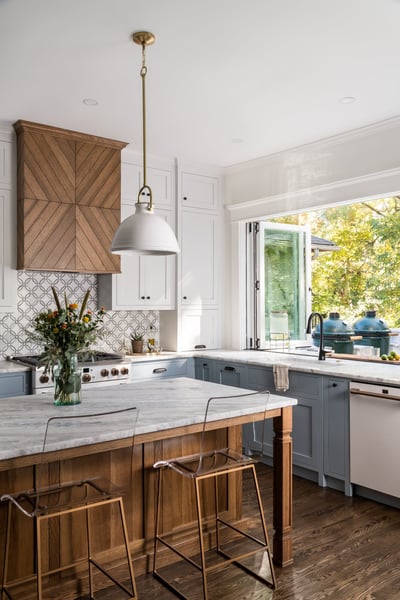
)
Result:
{"points": [[282, 520]]}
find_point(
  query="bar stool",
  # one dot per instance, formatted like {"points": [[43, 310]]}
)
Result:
{"points": [[53, 504], [214, 465]]}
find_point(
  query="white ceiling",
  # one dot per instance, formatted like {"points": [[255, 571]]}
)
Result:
{"points": [[228, 80]]}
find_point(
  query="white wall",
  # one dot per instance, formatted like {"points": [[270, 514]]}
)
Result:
{"points": [[355, 165]]}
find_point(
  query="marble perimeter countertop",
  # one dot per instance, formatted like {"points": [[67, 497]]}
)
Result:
{"points": [[374, 372], [162, 405]]}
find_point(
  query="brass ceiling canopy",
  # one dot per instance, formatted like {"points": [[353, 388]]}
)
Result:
{"points": [[144, 38]]}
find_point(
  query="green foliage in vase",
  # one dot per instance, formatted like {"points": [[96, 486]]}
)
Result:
{"points": [[66, 330]]}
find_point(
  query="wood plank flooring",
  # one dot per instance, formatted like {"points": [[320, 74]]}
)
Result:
{"points": [[344, 549]]}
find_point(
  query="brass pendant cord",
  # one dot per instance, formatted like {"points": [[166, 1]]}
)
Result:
{"points": [[143, 73]]}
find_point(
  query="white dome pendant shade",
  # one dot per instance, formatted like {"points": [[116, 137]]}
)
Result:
{"points": [[144, 232]]}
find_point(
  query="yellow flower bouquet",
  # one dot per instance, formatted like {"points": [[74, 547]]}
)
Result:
{"points": [[64, 332]]}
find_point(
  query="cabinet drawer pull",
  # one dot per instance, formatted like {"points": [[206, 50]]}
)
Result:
{"points": [[160, 370], [229, 369], [197, 346]]}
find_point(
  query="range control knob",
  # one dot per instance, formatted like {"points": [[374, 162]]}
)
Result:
{"points": [[114, 372], [124, 371], [86, 377], [104, 373], [44, 379]]}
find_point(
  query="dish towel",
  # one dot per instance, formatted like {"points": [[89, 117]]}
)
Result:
{"points": [[281, 377]]}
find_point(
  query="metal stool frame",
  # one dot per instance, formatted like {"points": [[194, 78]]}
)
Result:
{"points": [[37, 504], [223, 462]]}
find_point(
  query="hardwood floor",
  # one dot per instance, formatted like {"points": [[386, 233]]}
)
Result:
{"points": [[344, 549]]}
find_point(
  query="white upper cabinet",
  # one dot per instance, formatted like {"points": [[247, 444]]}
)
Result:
{"points": [[199, 191], [196, 322], [159, 179], [145, 282], [5, 162], [199, 262], [8, 226], [201, 233]]}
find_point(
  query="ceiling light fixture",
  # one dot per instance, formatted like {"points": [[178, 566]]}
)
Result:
{"points": [[144, 232], [347, 100], [90, 101]]}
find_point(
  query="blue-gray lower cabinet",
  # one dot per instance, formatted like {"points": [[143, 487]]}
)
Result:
{"points": [[162, 369], [336, 432], [307, 417], [230, 373], [320, 418], [204, 369], [15, 384]]}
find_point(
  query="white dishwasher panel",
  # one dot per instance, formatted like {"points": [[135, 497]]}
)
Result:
{"points": [[375, 437]]}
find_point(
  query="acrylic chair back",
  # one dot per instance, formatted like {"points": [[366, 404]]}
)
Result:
{"points": [[80, 481], [222, 458]]}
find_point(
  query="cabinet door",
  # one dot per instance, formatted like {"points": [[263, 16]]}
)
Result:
{"points": [[336, 428], [5, 163], [199, 249], [199, 191], [145, 281], [307, 419], [230, 374], [259, 434], [159, 179], [161, 369], [204, 369], [199, 329], [8, 274], [14, 384]]}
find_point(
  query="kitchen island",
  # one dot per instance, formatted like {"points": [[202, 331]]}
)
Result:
{"points": [[170, 419]]}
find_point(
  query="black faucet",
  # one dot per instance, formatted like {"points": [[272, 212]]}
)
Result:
{"points": [[321, 353]]}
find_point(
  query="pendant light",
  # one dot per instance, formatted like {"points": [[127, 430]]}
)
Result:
{"points": [[144, 232]]}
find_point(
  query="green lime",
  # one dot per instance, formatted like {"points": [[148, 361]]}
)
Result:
{"points": [[384, 356]]}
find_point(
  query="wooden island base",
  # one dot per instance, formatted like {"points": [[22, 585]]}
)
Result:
{"points": [[112, 460]]}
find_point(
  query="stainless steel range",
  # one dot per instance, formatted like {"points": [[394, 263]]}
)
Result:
{"points": [[98, 368]]}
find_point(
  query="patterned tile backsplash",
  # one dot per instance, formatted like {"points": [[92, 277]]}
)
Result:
{"points": [[34, 295]]}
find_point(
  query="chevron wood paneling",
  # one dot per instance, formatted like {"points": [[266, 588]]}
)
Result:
{"points": [[48, 168], [95, 228], [39, 247], [98, 176], [69, 190]]}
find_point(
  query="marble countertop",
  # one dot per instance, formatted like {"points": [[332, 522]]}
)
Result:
{"points": [[162, 404], [374, 372], [10, 367]]}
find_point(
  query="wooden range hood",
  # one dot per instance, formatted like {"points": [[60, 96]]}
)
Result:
{"points": [[69, 197]]}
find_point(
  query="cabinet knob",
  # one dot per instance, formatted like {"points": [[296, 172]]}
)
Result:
{"points": [[143, 297], [334, 384], [185, 197], [185, 297], [148, 298]]}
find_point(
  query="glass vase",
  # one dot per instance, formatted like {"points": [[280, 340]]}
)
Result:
{"points": [[67, 381]]}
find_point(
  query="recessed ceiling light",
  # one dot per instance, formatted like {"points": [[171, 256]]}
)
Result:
{"points": [[90, 101], [347, 100]]}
